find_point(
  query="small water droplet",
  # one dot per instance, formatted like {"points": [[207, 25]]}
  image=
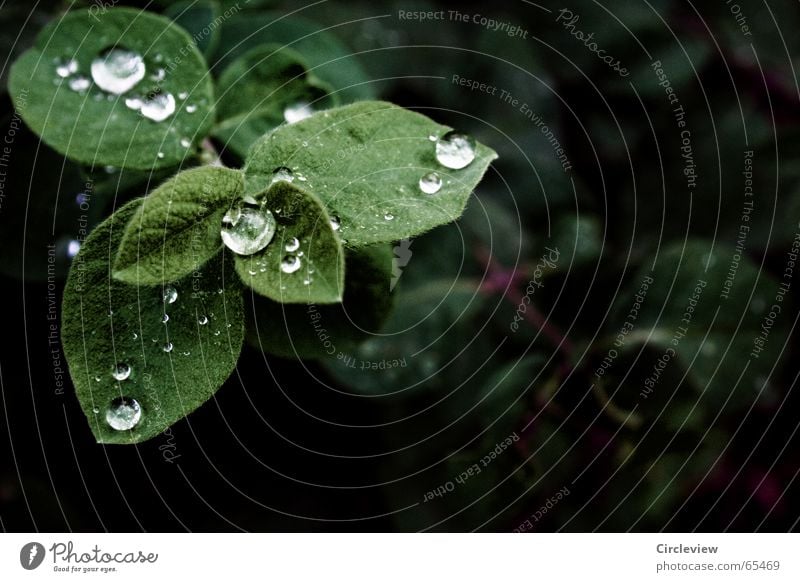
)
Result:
{"points": [[96, 410], [247, 230], [72, 248], [430, 183], [158, 106], [202, 320], [292, 245], [79, 84], [160, 155], [183, 95], [336, 224], [297, 112], [191, 108], [432, 137], [124, 413], [186, 142], [135, 336], [388, 216], [167, 347], [67, 68], [282, 174], [121, 371], [118, 71], [170, 294], [164, 318], [455, 150], [290, 264], [159, 75]]}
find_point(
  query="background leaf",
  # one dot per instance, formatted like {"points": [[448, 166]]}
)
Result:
{"points": [[95, 127], [176, 229], [106, 323], [365, 161]]}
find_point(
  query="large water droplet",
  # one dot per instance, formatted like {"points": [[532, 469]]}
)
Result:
{"points": [[158, 106], [297, 112], [79, 84], [121, 371], [455, 150], [292, 245], [290, 264], [118, 71], [247, 229], [124, 413], [170, 294], [67, 68], [282, 174], [430, 183], [336, 224]]}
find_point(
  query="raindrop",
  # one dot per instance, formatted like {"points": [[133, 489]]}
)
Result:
{"points": [[124, 413], [247, 230], [79, 84], [282, 174], [167, 347], [186, 142], [170, 294], [297, 112], [160, 156], [336, 224], [455, 150], [191, 108], [290, 264], [183, 95], [67, 68], [72, 248], [292, 245], [164, 318], [388, 216], [158, 106], [430, 183], [432, 137], [121, 371], [202, 320], [118, 71]]}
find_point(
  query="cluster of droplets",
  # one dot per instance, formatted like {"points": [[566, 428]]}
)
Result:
{"points": [[454, 150], [119, 71]]}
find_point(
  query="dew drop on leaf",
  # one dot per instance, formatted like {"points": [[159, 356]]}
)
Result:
{"points": [[123, 413], [67, 68], [297, 111], [246, 230], [170, 294], [167, 347], [79, 84], [118, 71], [290, 264], [202, 320], [292, 245], [336, 224], [282, 174], [121, 371], [455, 150], [158, 106], [430, 183]]}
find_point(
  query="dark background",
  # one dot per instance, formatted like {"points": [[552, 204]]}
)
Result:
{"points": [[289, 446]]}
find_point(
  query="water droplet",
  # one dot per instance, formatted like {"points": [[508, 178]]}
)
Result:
{"points": [[158, 106], [96, 410], [124, 413], [121, 371], [164, 318], [79, 84], [202, 320], [186, 142], [432, 137], [183, 95], [160, 156], [158, 76], [118, 71], [430, 183], [290, 264], [134, 103], [336, 224], [455, 150], [135, 336], [292, 245], [282, 174], [167, 347], [67, 68], [72, 248], [297, 112], [170, 294], [388, 216], [247, 230], [191, 108]]}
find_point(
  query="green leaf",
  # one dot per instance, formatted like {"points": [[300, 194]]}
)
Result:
{"points": [[330, 60], [95, 127], [106, 323], [320, 275], [177, 227], [200, 19], [365, 161], [258, 87], [326, 331], [720, 336]]}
